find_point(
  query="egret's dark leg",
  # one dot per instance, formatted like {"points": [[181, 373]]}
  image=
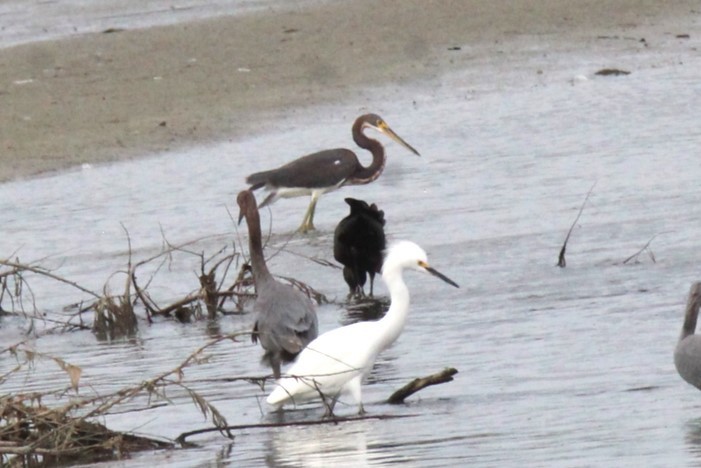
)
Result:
{"points": [[372, 281], [308, 221], [329, 407]]}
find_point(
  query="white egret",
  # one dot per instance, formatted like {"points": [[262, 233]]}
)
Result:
{"points": [[335, 363]]}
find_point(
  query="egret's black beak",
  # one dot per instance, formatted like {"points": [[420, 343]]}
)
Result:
{"points": [[438, 274]]}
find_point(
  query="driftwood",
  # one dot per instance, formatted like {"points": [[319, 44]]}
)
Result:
{"points": [[561, 258], [446, 375]]}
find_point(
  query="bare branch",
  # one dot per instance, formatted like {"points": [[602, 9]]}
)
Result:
{"points": [[561, 258], [43, 272], [644, 248]]}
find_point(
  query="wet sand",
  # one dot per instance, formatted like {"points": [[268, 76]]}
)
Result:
{"points": [[113, 96]]}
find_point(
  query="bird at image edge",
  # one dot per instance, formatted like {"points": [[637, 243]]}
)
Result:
{"points": [[687, 354]]}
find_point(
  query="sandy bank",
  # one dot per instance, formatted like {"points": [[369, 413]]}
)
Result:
{"points": [[103, 97]]}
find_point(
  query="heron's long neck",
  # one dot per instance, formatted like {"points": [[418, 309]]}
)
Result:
{"points": [[261, 273], [691, 315], [394, 320], [373, 171]]}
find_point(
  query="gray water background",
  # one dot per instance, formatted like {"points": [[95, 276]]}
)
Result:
{"points": [[557, 367]]}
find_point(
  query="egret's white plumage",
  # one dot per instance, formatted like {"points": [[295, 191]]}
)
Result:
{"points": [[335, 363]]}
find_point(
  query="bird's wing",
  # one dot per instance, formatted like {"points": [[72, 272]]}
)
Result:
{"points": [[326, 168], [327, 363], [288, 317], [687, 359], [362, 231]]}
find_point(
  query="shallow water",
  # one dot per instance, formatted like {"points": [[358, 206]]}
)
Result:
{"points": [[566, 367]]}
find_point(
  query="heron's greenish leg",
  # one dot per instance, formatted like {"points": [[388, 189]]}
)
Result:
{"points": [[308, 221]]}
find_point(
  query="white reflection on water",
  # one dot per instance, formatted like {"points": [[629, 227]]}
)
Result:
{"points": [[343, 445]]}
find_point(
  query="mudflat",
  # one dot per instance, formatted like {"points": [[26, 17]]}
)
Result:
{"points": [[128, 93]]}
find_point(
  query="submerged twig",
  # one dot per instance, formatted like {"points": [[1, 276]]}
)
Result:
{"points": [[561, 258], [644, 248], [181, 439]]}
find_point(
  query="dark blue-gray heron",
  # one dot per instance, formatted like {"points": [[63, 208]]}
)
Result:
{"points": [[336, 362], [358, 243], [318, 173], [285, 318], [687, 354]]}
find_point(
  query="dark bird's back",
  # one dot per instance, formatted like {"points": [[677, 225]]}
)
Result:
{"points": [[359, 241]]}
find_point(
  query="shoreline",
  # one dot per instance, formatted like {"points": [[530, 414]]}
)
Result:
{"points": [[103, 97]]}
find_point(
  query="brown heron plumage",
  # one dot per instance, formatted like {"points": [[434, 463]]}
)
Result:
{"points": [[318, 173]]}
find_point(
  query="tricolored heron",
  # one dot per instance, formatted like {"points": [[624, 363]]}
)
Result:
{"points": [[335, 363], [687, 355], [358, 243], [285, 318], [318, 173]]}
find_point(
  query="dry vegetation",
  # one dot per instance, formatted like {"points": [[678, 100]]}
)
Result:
{"points": [[70, 429], [33, 433]]}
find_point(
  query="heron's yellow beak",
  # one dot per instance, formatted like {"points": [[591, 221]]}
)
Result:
{"points": [[384, 128]]}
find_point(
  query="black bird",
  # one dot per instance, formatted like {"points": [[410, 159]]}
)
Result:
{"points": [[328, 170], [358, 243]]}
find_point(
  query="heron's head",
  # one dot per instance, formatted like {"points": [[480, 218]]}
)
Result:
{"points": [[378, 123], [246, 201], [405, 255]]}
